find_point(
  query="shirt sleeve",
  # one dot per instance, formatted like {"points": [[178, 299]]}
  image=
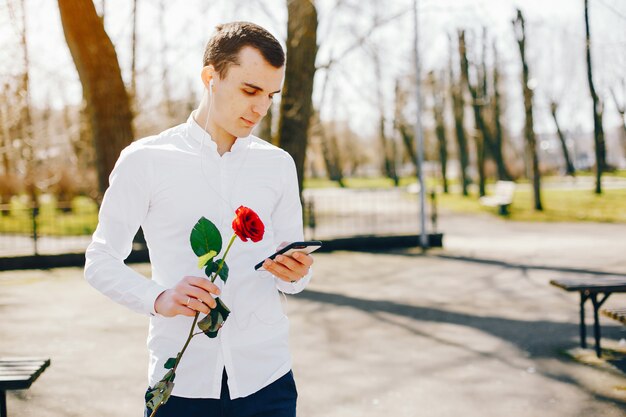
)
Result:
{"points": [[287, 221], [123, 209]]}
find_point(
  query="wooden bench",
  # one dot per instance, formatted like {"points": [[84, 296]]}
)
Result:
{"points": [[618, 314], [590, 288], [502, 197], [18, 373]]}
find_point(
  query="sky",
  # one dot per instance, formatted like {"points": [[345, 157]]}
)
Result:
{"points": [[555, 48]]}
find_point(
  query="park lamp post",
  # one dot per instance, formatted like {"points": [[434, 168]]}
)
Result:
{"points": [[419, 134]]}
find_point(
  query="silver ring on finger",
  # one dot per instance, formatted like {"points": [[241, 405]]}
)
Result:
{"points": [[188, 301]]}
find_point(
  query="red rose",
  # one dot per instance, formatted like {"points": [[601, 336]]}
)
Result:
{"points": [[248, 225]]}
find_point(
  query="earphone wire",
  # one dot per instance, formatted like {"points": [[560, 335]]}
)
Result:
{"points": [[235, 182]]}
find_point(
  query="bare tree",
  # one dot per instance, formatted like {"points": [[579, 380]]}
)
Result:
{"points": [[350, 148], [438, 94], [328, 140], [569, 166], [490, 138], [330, 145], [598, 131], [296, 105], [5, 136], [529, 132], [388, 149], [458, 110], [621, 108], [556, 88], [167, 95], [23, 129], [496, 108], [331, 155], [479, 124], [401, 125], [107, 101]]}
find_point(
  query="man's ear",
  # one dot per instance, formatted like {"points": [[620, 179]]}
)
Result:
{"points": [[208, 75]]}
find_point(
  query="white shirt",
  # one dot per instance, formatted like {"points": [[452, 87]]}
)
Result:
{"points": [[165, 184]]}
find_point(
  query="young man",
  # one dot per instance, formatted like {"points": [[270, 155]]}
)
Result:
{"points": [[208, 167]]}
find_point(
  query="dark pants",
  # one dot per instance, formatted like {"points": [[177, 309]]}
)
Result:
{"points": [[278, 399]]}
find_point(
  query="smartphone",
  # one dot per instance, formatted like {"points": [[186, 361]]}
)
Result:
{"points": [[290, 249]]}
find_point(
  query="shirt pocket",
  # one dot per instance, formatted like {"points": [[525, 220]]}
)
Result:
{"points": [[268, 312]]}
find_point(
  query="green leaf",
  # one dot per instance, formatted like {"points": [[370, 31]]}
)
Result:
{"points": [[213, 322], [161, 392], [206, 258], [169, 376], [205, 323], [169, 364], [212, 267], [205, 237]]}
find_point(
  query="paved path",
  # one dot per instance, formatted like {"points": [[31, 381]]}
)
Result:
{"points": [[472, 330]]}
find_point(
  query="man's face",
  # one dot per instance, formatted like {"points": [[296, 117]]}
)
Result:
{"points": [[241, 99]]}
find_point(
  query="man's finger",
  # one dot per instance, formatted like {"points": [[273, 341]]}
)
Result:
{"points": [[294, 265], [277, 269], [197, 305], [303, 258], [288, 262], [204, 284], [185, 311], [202, 295]]}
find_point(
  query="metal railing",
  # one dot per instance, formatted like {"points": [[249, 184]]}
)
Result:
{"points": [[53, 228], [338, 212], [49, 228]]}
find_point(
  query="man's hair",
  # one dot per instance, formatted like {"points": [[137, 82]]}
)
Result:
{"points": [[223, 48]]}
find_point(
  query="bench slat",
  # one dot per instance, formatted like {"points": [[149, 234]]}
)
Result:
{"points": [[20, 373], [618, 314], [595, 284]]}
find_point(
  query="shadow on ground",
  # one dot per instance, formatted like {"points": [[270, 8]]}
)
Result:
{"points": [[540, 339]]}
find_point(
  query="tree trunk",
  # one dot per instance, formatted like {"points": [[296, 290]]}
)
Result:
{"points": [[458, 110], [5, 136], [529, 132], [479, 125], [406, 131], [389, 165], [437, 90], [621, 109], [296, 105], [598, 131], [503, 173], [165, 83], [335, 156], [387, 148], [330, 150], [98, 68], [458, 107], [25, 122], [569, 167]]}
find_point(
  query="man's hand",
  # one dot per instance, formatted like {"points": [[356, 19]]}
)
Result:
{"points": [[290, 269], [190, 295]]}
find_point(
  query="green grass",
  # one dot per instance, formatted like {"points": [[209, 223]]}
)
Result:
{"points": [[363, 182], [559, 205], [619, 173], [51, 221]]}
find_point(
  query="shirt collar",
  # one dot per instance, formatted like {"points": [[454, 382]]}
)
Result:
{"points": [[197, 133]]}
